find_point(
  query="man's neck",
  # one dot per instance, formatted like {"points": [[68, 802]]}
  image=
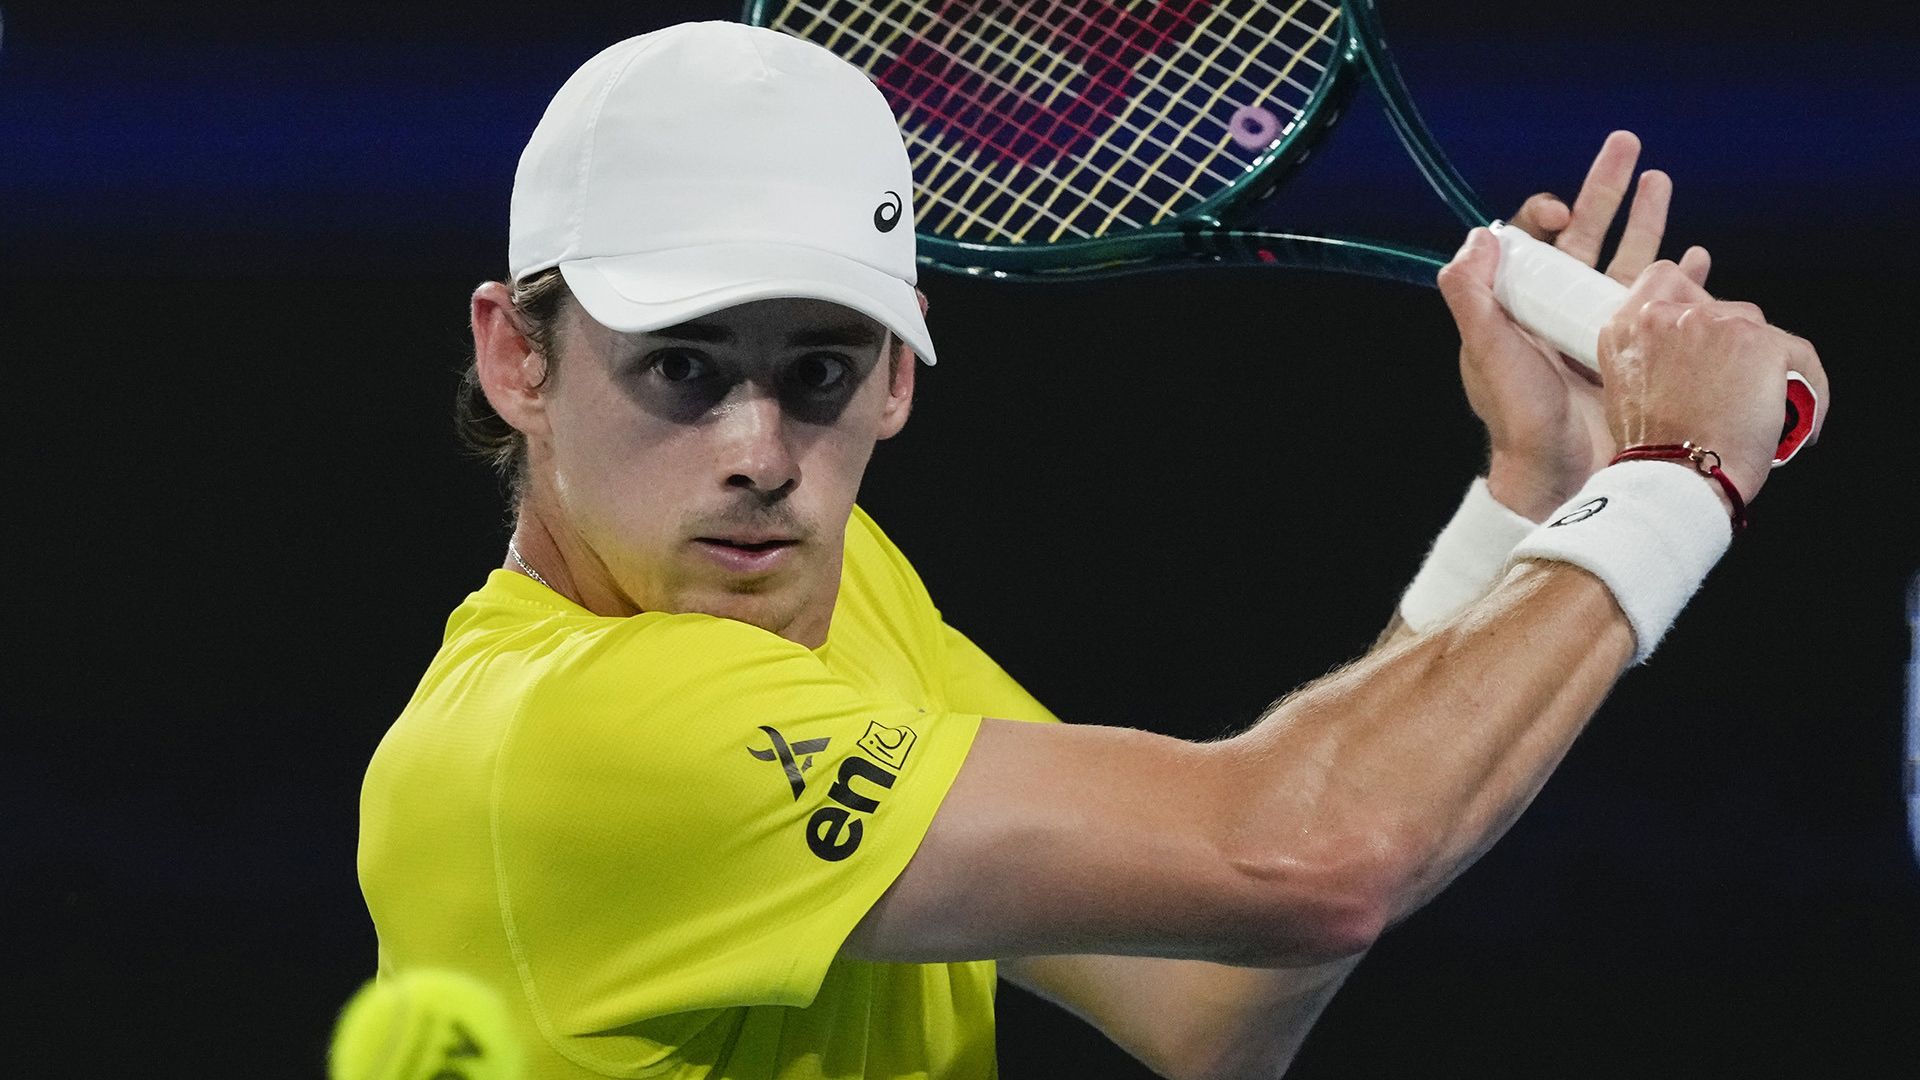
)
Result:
{"points": [[566, 569], [575, 572]]}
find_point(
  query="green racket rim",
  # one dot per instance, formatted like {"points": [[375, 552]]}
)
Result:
{"points": [[1317, 116], [1199, 247]]}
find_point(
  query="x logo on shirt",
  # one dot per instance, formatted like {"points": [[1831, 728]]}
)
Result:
{"points": [[786, 754]]}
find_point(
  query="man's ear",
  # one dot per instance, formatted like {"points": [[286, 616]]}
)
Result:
{"points": [[510, 368], [899, 403], [900, 381]]}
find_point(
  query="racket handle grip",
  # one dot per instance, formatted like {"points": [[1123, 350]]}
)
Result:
{"points": [[1565, 303]]}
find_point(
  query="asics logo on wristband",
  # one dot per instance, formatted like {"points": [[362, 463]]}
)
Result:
{"points": [[1585, 511]]}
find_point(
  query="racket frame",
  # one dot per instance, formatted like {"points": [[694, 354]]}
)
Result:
{"points": [[1204, 234], [1201, 235]]}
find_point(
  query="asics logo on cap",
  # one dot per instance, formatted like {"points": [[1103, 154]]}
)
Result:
{"points": [[887, 214]]}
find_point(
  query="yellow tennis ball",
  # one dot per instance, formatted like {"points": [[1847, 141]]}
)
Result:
{"points": [[424, 1024]]}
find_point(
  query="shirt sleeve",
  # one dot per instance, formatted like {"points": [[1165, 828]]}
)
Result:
{"points": [[691, 814], [977, 685]]}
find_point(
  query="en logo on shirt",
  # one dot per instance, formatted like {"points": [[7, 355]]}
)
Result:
{"points": [[834, 830]]}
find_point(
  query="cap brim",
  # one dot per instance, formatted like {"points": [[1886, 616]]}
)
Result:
{"points": [[655, 289]]}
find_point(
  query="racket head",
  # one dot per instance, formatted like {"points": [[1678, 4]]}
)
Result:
{"points": [[1063, 137]]}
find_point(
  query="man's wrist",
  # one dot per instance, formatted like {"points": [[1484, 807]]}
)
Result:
{"points": [[1701, 460], [1648, 531], [1527, 492]]}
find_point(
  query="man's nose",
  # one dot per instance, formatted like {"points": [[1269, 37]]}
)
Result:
{"points": [[758, 455]]}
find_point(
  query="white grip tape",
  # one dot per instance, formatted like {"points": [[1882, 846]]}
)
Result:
{"points": [[1565, 303], [1649, 529], [1559, 298]]}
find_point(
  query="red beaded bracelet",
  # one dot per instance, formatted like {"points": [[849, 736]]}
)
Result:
{"points": [[1697, 455]]}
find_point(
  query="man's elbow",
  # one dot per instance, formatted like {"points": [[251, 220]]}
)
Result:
{"points": [[1314, 906]]}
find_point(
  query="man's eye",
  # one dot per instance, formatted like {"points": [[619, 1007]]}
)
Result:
{"points": [[821, 372], [678, 365]]}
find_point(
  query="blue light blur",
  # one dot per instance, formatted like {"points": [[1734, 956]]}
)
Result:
{"points": [[356, 156]]}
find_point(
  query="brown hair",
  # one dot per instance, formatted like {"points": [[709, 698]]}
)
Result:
{"points": [[539, 300]]}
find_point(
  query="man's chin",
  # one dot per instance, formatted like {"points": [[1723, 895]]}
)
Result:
{"points": [[787, 599], [780, 622], [773, 606]]}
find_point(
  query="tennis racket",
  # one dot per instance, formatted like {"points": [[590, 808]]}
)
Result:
{"points": [[1056, 139]]}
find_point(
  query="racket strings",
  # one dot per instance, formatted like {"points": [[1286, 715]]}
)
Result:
{"points": [[941, 99], [875, 50], [913, 111], [1097, 80], [1049, 120], [1063, 132], [1257, 122]]}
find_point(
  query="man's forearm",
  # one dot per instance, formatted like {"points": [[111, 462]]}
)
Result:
{"points": [[1418, 757], [1209, 1020], [1189, 1019]]}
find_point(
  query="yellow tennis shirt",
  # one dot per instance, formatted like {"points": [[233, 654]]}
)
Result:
{"points": [[653, 834]]}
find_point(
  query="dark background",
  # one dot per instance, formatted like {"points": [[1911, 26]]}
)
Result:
{"points": [[235, 246]]}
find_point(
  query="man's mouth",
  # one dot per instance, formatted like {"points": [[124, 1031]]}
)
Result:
{"points": [[750, 556], [746, 543]]}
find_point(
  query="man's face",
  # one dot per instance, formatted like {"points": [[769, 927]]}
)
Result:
{"points": [[711, 466]]}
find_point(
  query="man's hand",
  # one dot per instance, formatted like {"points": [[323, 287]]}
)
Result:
{"points": [[1681, 366], [1544, 415]]}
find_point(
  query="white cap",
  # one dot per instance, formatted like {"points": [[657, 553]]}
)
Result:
{"points": [[711, 164]]}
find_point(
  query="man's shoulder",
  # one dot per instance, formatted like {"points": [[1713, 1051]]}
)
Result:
{"points": [[509, 648], [876, 566], [511, 615], [656, 652], [867, 540]]}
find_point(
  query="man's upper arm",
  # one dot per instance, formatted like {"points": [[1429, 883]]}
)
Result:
{"points": [[1067, 839], [1058, 838]]}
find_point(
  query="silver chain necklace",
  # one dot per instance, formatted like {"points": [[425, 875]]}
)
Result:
{"points": [[514, 553]]}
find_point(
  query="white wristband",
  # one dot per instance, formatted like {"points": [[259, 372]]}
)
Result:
{"points": [[1465, 560], [1650, 530]]}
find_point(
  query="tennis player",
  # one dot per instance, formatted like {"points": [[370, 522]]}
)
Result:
{"points": [[702, 782]]}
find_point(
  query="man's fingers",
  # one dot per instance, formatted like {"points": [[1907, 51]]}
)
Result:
{"points": [[1600, 196], [1542, 217], [1646, 224], [1696, 264], [1663, 280], [1466, 284]]}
